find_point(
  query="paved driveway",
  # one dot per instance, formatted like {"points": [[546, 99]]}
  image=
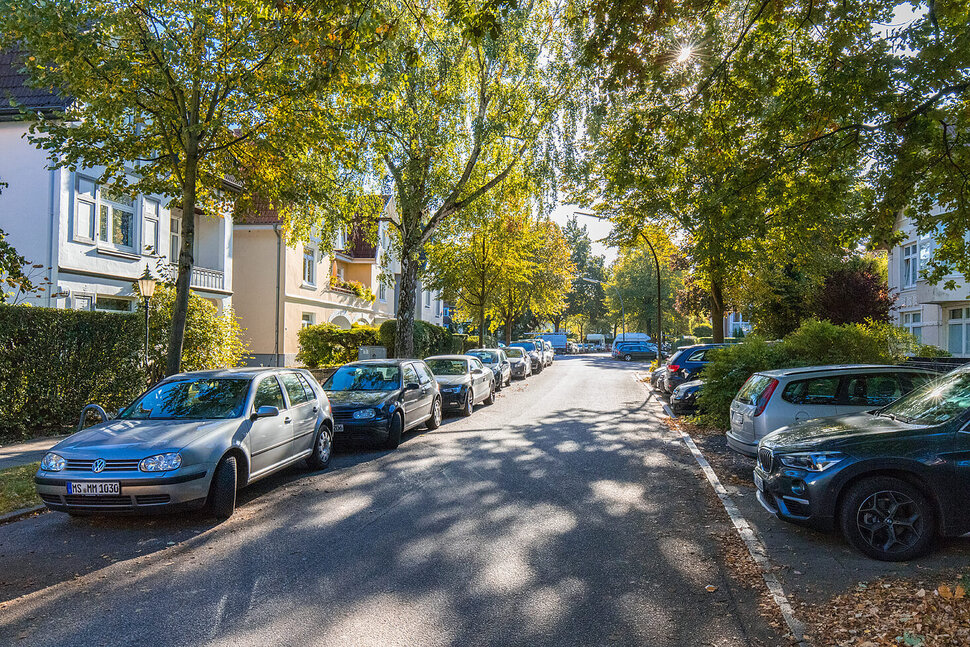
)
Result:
{"points": [[564, 514]]}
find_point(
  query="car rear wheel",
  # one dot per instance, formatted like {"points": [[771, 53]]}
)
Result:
{"points": [[394, 432], [888, 519], [322, 449], [469, 406], [222, 491], [435, 420]]}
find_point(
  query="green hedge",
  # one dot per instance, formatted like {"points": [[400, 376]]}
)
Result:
{"points": [[325, 343], [53, 362], [429, 339], [815, 343]]}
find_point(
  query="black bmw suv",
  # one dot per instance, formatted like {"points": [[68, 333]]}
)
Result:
{"points": [[892, 479]]}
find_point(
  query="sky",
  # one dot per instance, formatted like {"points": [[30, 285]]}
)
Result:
{"points": [[598, 229]]}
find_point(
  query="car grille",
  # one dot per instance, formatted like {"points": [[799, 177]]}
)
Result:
{"points": [[765, 459], [343, 416], [50, 498], [104, 500], [127, 465], [152, 499]]}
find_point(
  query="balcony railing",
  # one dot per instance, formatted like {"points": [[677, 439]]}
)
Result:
{"points": [[203, 278]]}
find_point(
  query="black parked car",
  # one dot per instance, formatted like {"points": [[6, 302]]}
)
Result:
{"points": [[496, 360], [891, 479], [685, 365], [684, 398], [380, 399], [464, 382]]}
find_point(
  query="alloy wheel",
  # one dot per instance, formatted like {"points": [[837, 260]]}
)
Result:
{"points": [[890, 521], [325, 445]]}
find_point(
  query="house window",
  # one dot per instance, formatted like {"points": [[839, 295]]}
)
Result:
{"points": [[382, 293], [87, 207], [427, 299], [149, 210], [307, 320], [309, 266], [437, 307], [175, 244], [113, 304], [958, 329], [910, 265], [116, 219], [340, 273], [913, 322], [82, 303]]}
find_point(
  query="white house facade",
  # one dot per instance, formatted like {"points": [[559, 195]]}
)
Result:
{"points": [[937, 316]]}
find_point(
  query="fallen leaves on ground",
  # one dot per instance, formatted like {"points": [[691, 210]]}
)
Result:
{"points": [[915, 613]]}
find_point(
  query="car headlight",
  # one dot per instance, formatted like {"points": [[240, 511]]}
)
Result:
{"points": [[451, 389], [52, 462], [161, 462], [811, 461], [364, 414]]}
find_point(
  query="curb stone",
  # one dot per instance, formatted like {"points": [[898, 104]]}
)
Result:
{"points": [[17, 515]]}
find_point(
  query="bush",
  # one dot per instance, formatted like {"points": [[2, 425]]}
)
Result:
{"points": [[472, 341], [702, 330], [212, 340], [53, 362], [326, 344], [814, 343], [429, 339]]}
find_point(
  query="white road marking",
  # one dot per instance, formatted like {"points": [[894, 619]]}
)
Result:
{"points": [[756, 548]]}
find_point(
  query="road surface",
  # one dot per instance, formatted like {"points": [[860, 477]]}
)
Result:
{"points": [[564, 514]]}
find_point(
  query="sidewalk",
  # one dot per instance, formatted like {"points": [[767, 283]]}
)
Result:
{"points": [[29, 452]]}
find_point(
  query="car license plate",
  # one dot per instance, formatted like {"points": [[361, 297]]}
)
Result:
{"points": [[759, 482], [337, 428], [94, 488]]}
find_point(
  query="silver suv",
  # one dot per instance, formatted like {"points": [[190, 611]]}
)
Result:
{"points": [[770, 400]]}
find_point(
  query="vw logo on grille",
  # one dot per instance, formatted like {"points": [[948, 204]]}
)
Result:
{"points": [[98, 465]]}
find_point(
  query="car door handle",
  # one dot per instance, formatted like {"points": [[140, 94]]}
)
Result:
{"points": [[315, 409], [286, 421]]}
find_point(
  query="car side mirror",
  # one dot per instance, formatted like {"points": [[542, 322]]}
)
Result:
{"points": [[411, 386], [266, 412]]}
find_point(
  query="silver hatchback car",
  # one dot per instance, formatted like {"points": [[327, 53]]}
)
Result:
{"points": [[770, 400], [191, 441]]}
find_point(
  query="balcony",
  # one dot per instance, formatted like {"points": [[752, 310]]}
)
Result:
{"points": [[203, 278]]}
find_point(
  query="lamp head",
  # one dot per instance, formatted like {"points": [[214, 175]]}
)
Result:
{"points": [[146, 284]]}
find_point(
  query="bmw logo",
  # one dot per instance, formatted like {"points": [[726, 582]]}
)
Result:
{"points": [[98, 465]]}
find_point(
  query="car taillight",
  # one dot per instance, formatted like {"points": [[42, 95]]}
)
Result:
{"points": [[765, 396], [673, 368]]}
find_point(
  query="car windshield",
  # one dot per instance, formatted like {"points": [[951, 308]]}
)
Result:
{"points": [[933, 403], [447, 366], [381, 377], [528, 345], [515, 352], [202, 399], [486, 356]]}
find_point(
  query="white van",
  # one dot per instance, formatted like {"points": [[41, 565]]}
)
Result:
{"points": [[770, 400]]}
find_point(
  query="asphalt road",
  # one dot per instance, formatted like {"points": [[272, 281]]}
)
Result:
{"points": [[563, 514]]}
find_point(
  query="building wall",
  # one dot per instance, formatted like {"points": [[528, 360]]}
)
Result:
{"points": [[255, 300], [52, 218]]}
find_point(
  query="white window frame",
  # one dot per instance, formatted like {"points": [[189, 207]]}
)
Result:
{"points": [[960, 320], [105, 215], [437, 307], [150, 248], [909, 264], [427, 298], [131, 303], [912, 321], [308, 319], [174, 238], [92, 202], [382, 292], [309, 267]]}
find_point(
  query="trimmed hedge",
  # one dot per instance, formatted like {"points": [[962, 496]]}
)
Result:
{"points": [[429, 339], [326, 344], [815, 343], [53, 362]]}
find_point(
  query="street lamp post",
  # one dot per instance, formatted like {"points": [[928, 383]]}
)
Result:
{"points": [[619, 294], [146, 285]]}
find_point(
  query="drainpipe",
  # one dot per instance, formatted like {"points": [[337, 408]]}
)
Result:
{"points": [[279, 258]]}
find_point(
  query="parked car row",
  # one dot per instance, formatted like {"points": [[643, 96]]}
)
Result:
{"points": [[194, 439], [880, 453]]}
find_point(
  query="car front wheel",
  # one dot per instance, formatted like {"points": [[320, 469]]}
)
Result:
{"points": [[394, 432], [490, 398], [627, 357], [888, 519], [222, 491], [469, 405]]}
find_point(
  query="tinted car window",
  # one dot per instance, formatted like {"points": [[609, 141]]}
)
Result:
{"points": [[424, 375], [817, 390], [476, 364], [698, 356], [486, 356], [875, 389], [365, 378], [191, 399], [934, 403], [410, 375], [917, 380], [268, 394], [294, 388], [310, 391], [447, 366], [515, 352], [753, 389]]}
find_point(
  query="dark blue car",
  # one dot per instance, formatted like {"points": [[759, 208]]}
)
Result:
{"points": [[685, 364]]}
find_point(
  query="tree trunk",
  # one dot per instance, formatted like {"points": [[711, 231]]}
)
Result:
{"points": [[717, 310], [404, 335], [508, 330], [481, 326], [176, 340]]}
